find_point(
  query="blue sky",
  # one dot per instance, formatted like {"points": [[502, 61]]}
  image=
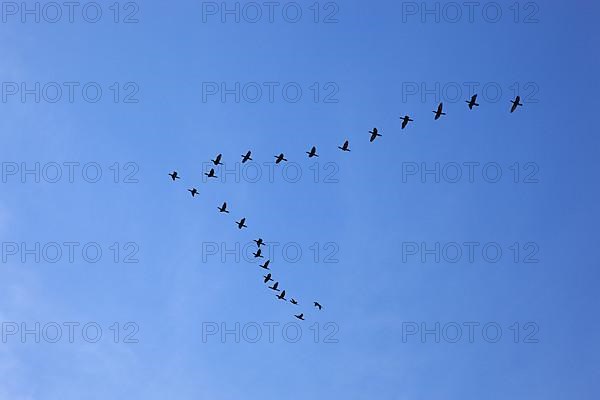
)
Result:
{"points": [[364, 210]]}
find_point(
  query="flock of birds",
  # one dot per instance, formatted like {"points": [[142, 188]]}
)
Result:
{"points": [[345, 147]]}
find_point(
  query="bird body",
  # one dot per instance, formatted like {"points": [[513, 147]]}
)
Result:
{"points": [[515, 103], [439, 111], [374, 134], [405, 120], [247, 157], [241, 223], [217, 160], [174, 175], [345, 146], [266, 264], [473, 102], [280, 158], [223, 208], [313, 152], [193, 191]]}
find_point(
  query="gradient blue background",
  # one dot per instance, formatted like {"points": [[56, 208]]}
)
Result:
{"points": [[170, 293]]}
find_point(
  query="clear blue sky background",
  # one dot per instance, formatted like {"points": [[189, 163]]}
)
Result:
{"points": [[370, 54]]}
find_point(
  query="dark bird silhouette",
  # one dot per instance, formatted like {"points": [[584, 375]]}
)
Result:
{"points": [[405, 120], [313, 152], [439, 111], [242, 223], [345, 146], [473, 102], [374, 133], [211, 174], [318, 305], [259, 242], [293, 301], [268, 278], [280, 158], [217, 161], [282, 296], [265, 265], [193, 191], [174, 175], [247, 157], [515, 103], [258, 254], [275, 287], [223, 208], [299, 316]]}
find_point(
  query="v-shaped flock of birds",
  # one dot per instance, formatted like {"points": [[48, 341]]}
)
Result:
{"points": [[345, 147]]}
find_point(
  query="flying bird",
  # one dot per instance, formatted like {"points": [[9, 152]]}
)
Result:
{"points": [[318, 305], [258, 254], [293, 301], [345, 146], [313, 152], [439, 111], [268, 278], [280, 158], [242, 223], [405, 120], [516, 103], [259, 242], [193, 191], [374, 133], [473, 102], [217, 161], [265, 265], [247, 157], [282, 296], [300, 316], [211, 174], [223, 208], [174, 175], [275, 287]]}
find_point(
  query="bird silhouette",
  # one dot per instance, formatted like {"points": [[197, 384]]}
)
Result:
{"points": [[275, 287], [259, 242], [280, 158], [258, 254], [405, 120], [439, 111], [265, 265], [247, 157], [374, 133], [300, 316], [515, 103], [318, 305], [211, 174], [223, 208], [313, 152], [217, 161], [267, 278], [242, 223], [345, 146], [174, 175], [193, 191], [473, 102], [293, 301], [281, 296]]}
